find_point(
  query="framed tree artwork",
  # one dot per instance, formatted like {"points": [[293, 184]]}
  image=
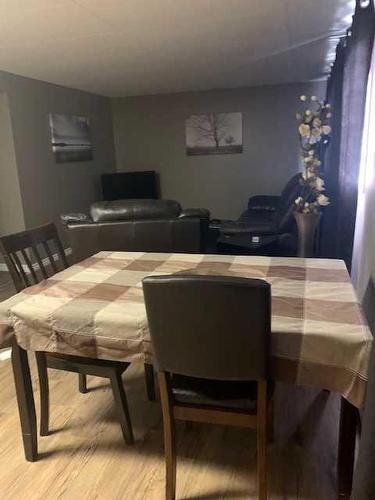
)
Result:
{"points": [[214, 133]]}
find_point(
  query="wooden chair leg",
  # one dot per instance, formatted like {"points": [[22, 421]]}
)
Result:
{"points": [[82, 383], [262, 424], [41, 363], [150, 381], [122, 406], [270, 427], [169, 437], [25, 400]]}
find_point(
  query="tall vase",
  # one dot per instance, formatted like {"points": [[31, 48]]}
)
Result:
{"points": [[306, 225]]}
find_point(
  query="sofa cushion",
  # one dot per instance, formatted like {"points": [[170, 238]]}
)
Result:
{"points": [[261, 217], [267, 203], [105, 211]]}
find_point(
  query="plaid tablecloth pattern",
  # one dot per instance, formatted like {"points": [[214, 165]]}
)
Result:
{"points": [[96, 309]]}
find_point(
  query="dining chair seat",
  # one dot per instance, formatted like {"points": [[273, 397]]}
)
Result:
{"points": [[215, 393]]}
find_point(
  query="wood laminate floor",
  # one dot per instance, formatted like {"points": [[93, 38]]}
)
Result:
{"points": [[85, 456]]}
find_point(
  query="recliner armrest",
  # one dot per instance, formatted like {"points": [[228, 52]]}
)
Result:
{"points": [[266, 203], [255, 228]]}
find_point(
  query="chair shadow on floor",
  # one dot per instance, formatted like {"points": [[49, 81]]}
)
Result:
{"points": [[204, 445]]}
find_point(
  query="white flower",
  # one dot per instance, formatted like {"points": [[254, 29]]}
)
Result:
{"points": [[315, 131], [313, 98], [326, 129], [308, 112], [298, 200], [307, 174], [317, 122], [303, 98], [328, 106], [319, 184], [323, 200], [329, 115], [311, 152], [304, 130]]}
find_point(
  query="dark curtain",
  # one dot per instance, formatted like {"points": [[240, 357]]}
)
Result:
{"points": [[346, 92], [364, 476], [331, 159]]}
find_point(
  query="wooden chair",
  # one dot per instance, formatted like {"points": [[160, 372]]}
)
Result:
{"points": [[19, 251], [210, 337]]}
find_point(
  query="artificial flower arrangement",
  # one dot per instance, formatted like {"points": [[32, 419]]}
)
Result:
{"points": [[313, 129]]}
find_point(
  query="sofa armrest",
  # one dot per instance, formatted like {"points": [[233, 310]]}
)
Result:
{"points": [[76, 218], [84, 240], [202, 213], [266, 203]]}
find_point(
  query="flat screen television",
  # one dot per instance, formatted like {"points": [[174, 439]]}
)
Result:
{"points": [[125, 185]]}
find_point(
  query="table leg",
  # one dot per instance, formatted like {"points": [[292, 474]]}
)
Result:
{"points": [[150, 381], [346, 452], [25, 400]]}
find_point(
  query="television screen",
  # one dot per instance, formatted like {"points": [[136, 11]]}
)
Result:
{"points": [[125, 185]]}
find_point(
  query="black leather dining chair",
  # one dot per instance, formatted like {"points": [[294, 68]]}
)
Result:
{"points": [[210, 337]]}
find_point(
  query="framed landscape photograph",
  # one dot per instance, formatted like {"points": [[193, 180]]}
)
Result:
{"points": [[214, 133], [70, 138]]}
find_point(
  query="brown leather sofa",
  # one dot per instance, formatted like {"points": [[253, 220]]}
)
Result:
{"points": [[137, 225]]}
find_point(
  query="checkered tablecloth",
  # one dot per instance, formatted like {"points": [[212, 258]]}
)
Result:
{"points": [[96, 309]]}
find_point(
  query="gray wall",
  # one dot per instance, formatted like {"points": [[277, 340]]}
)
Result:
{"points": [[149, 134], [11, 210], [47, 188]]}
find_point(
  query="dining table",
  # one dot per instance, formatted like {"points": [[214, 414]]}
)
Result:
{"points": [[95, 309]]}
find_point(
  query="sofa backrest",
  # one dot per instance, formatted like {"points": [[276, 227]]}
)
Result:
{"points": [[284, 216], [290, 189], [163, 235], [122, 210]]}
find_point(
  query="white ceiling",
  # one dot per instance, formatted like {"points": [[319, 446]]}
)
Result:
{"points": [[132, 47]]}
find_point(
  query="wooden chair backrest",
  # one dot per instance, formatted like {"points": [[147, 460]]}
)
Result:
{"points": [[27, 263]]}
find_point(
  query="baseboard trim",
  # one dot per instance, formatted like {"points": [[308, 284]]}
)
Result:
{"points": [[68, 251]]}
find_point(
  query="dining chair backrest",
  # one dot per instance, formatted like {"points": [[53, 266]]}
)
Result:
{"points": [[215, 327], [33, 255]]}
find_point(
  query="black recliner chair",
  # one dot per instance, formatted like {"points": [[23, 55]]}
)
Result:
{"points": [[269, 203], [266, 227]]}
